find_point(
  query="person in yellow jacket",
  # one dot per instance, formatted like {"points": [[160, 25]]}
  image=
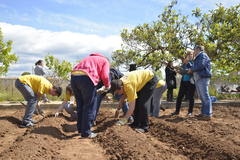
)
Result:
{"points": [[32, 87], [137, 87], [156, 98]]}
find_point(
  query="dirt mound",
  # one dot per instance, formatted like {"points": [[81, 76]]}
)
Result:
{"points": [[178, 137]]}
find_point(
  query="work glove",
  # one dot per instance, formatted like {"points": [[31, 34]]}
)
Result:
{"points": [[56, 114], [122, 121], [103, 89]]}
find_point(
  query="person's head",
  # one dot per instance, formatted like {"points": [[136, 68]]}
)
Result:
{"points": [[132, 67], [190, 55], [116, 87], [39, 63], [198, 49], [69, 90], [56, 91], [170, 64]]}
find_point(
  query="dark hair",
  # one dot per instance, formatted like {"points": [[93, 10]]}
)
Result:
{"points": [[69, 89], [132, 67], [58, 90], [38, 62], [169, 62], [116, 84], [201, 48]]}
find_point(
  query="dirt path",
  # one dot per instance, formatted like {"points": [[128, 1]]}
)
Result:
{"points": [[52, 138], [169, 138]]}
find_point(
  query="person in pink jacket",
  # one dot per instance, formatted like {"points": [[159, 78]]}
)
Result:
{"points": [[84, 78]]}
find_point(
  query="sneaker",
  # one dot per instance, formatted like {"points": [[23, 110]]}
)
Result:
{"points": [[26, 125], [174, 114], [204, 117], [130, 120], [91, 136], [189, 114], [141, 130], [33, 121]]}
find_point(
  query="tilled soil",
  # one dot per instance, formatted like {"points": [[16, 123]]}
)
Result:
{"points": [[173, 138]]}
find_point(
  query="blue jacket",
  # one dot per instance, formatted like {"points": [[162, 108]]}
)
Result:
{"points": [[184, 69], [202, 65]]}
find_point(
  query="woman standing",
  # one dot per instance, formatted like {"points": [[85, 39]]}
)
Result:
{"points": [[171, 80], [84, 79]]}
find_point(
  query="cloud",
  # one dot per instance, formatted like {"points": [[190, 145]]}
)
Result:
{"points": [[31, 44]]}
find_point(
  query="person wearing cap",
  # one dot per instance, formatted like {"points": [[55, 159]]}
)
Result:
{"points": [[137, 88], [85, 77], [32, 87], [156, 98], [201, 70]]}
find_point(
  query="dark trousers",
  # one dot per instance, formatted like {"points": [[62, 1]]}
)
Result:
{"points": [[86, 98], [186, 88], [170, 94], [143, 103]]}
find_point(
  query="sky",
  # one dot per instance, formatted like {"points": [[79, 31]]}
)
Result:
{"points": [[72, 29]]}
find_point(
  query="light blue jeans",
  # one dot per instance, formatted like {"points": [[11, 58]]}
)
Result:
{"points": [[156, 101], [31, 99], [202, 89], [70, 110]]}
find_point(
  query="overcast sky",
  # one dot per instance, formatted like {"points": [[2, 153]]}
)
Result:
{"points": [[72, 29]]}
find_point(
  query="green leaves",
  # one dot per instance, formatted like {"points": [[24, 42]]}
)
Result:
{"points": [[6, 59], [152, 44], [59, 69]]}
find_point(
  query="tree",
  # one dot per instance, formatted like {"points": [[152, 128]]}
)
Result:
{"points": [[151, 45], [25, 73], [220, 34], [6, 59], [60, 69]]}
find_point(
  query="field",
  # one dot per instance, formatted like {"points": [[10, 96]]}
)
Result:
{"points": [[173, 138]]}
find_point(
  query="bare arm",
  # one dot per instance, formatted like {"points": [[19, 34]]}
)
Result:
{"points": [[131, 109]]}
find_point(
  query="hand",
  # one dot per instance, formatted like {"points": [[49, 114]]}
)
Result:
{"points": [[102, 90], [56, 114], [122, 121], [117, 113], [189, 71]]}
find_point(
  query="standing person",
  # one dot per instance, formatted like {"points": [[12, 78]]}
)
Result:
{"points": [[187, 86], [84, 79], [156, 98], [32, 87], [201, 70], [171, 80], [137, 87], [39, 70]]}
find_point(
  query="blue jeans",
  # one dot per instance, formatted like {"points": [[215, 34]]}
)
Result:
{"points": [[98, 104], [156, 100], [202, 89], [31, 99], [86, 98], [125, 104], [69, 109]]}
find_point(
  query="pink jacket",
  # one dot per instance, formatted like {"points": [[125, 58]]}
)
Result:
{"points": [[97, 68]]}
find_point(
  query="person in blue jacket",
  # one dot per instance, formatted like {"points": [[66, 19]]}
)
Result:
{"points": [[187, 86], [201, 70]]}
